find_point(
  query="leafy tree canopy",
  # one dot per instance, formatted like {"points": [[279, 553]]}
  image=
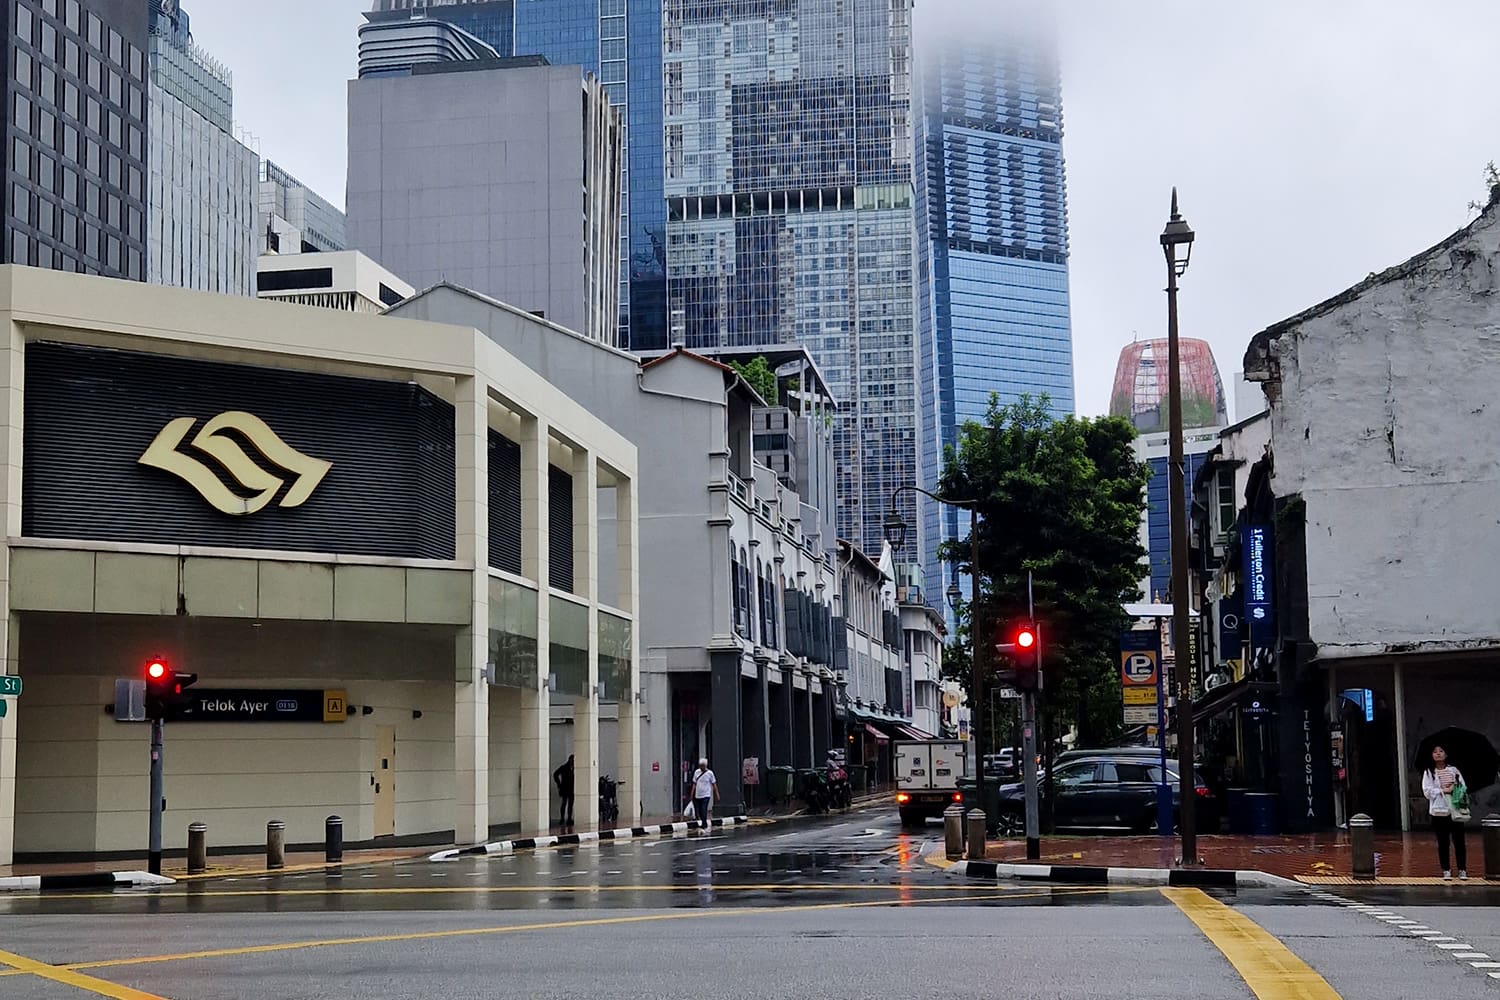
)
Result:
{"points": [[758, 375], [1061, 499]]}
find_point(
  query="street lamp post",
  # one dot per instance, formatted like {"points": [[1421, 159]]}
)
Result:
{"points": [[1178, 234], [895, 533]]}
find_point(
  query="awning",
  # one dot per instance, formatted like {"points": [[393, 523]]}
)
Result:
{"points": [[913, 733], [1227, 696], [882, 737]]}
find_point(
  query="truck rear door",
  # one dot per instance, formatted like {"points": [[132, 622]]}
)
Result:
{"points": [[947, 764], [913, 767]]}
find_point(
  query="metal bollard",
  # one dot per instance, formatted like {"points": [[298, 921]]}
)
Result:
{"points": [[333, 840], [275, 844], [1489, 830], [977, 823], [953, 831], [1362, 846], [197, 848]]}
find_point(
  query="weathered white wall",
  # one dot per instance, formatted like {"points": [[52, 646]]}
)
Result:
{"points": [[1389, 427]]}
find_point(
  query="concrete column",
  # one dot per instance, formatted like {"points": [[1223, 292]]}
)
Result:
{"points": [[536, 702], [808, 722], [586, 585], [12, 382], [724, 671], [758, 716], [627, 562], [471, 721]]}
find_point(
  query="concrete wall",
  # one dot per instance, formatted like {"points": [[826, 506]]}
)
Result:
{"points": [[82, 778], [1387, 426], [476, 178]]}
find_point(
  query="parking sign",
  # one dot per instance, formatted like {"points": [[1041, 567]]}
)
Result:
{"points": [[1139, 655]]}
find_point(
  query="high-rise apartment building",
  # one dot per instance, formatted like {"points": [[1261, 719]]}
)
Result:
{"points": [[502, 176], [992, 219], [292, 218], [788, 179], [201, 190], [619, 42], [75, 95]]}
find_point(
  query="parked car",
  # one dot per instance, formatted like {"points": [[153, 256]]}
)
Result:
{"points": [[1108, 791]]}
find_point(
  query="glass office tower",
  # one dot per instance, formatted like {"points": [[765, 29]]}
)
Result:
{"points": [[788, 177], [75, 96], [992, 217], [619, 41]]}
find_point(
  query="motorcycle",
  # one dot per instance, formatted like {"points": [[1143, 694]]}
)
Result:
{"points": [[815, 791], [609, 799], [840, 788]]}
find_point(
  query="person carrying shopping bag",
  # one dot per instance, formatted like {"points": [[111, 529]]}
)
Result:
{"points": [[705, 790], [1448, 805]]}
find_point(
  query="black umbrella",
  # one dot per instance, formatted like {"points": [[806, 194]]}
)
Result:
{"points": [[1472, 753]]}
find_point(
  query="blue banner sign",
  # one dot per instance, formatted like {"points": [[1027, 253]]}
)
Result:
{"points": [[1257, 547]]}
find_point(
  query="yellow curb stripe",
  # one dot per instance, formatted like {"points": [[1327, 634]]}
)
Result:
{"points": [[68, 977], [1268, 967]]}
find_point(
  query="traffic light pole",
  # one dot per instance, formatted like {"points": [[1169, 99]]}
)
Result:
{"points": [[1028, 739], [153, 846]]}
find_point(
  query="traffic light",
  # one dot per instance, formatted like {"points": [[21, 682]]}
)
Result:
{"points": [[164, 687], [1027, 657]]}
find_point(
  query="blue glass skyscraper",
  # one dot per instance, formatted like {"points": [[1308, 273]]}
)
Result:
{"points": [[619, 41], [992, 219]]}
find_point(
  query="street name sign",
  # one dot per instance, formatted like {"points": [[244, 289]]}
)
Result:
{"points": [[10, 686]]}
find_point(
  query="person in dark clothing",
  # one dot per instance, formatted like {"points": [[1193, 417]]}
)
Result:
{"points": [[563, 779]]}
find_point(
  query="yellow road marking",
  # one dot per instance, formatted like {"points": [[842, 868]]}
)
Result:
{"points": [[57, 974], [1268, 967], [562, 925]]}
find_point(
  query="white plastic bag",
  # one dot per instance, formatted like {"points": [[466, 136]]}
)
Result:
{"points": [[688, 812]]}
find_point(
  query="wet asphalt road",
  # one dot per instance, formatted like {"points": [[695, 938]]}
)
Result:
{"points": [[840, 906]]}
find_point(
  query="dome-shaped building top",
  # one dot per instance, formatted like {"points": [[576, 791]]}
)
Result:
{"points": [[1140, 389]]}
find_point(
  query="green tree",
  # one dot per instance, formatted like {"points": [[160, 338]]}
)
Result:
{"points": [[758, 375], [1061, 499]]}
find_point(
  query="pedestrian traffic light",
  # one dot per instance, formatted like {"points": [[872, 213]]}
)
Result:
{"points": [[164, 687]]}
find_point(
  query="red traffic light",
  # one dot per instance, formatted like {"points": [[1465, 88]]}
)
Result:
{"points": [[1026, 638], [156, 669]]}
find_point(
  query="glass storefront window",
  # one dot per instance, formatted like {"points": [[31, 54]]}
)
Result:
{"points": [[568, 646], [513, 635], [614, 656]]}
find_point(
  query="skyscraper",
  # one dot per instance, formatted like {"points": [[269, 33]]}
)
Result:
{"points": [[619, 42], [992, 218], [201, 194], [75, 96], [788, 179]]}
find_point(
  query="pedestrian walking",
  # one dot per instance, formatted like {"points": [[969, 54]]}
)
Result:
{"points": [[705, 788], [563, 779], [1448, 805]]}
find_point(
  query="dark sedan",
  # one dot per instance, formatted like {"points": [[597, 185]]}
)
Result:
{"points": [[1114, 792]]}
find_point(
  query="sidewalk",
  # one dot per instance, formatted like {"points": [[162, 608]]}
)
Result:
{"points": [[1314, 859]]}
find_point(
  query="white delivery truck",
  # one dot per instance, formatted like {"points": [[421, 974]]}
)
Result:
{"points": [[927, 774]]}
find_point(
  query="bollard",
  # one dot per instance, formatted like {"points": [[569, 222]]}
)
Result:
{"points": [[333, 840], [275, 844], [1362, 846], [977, 824], [1490, 832], [953, 831], [197, 848]]}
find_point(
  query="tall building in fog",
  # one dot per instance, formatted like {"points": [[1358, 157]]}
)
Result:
{"points": [[788, 159], [993, 222]]}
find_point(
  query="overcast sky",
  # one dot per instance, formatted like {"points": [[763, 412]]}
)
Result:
{"points": [[1311, 143]]}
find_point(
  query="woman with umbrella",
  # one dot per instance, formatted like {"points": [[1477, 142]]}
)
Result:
{"points": [[1447, 793]]}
